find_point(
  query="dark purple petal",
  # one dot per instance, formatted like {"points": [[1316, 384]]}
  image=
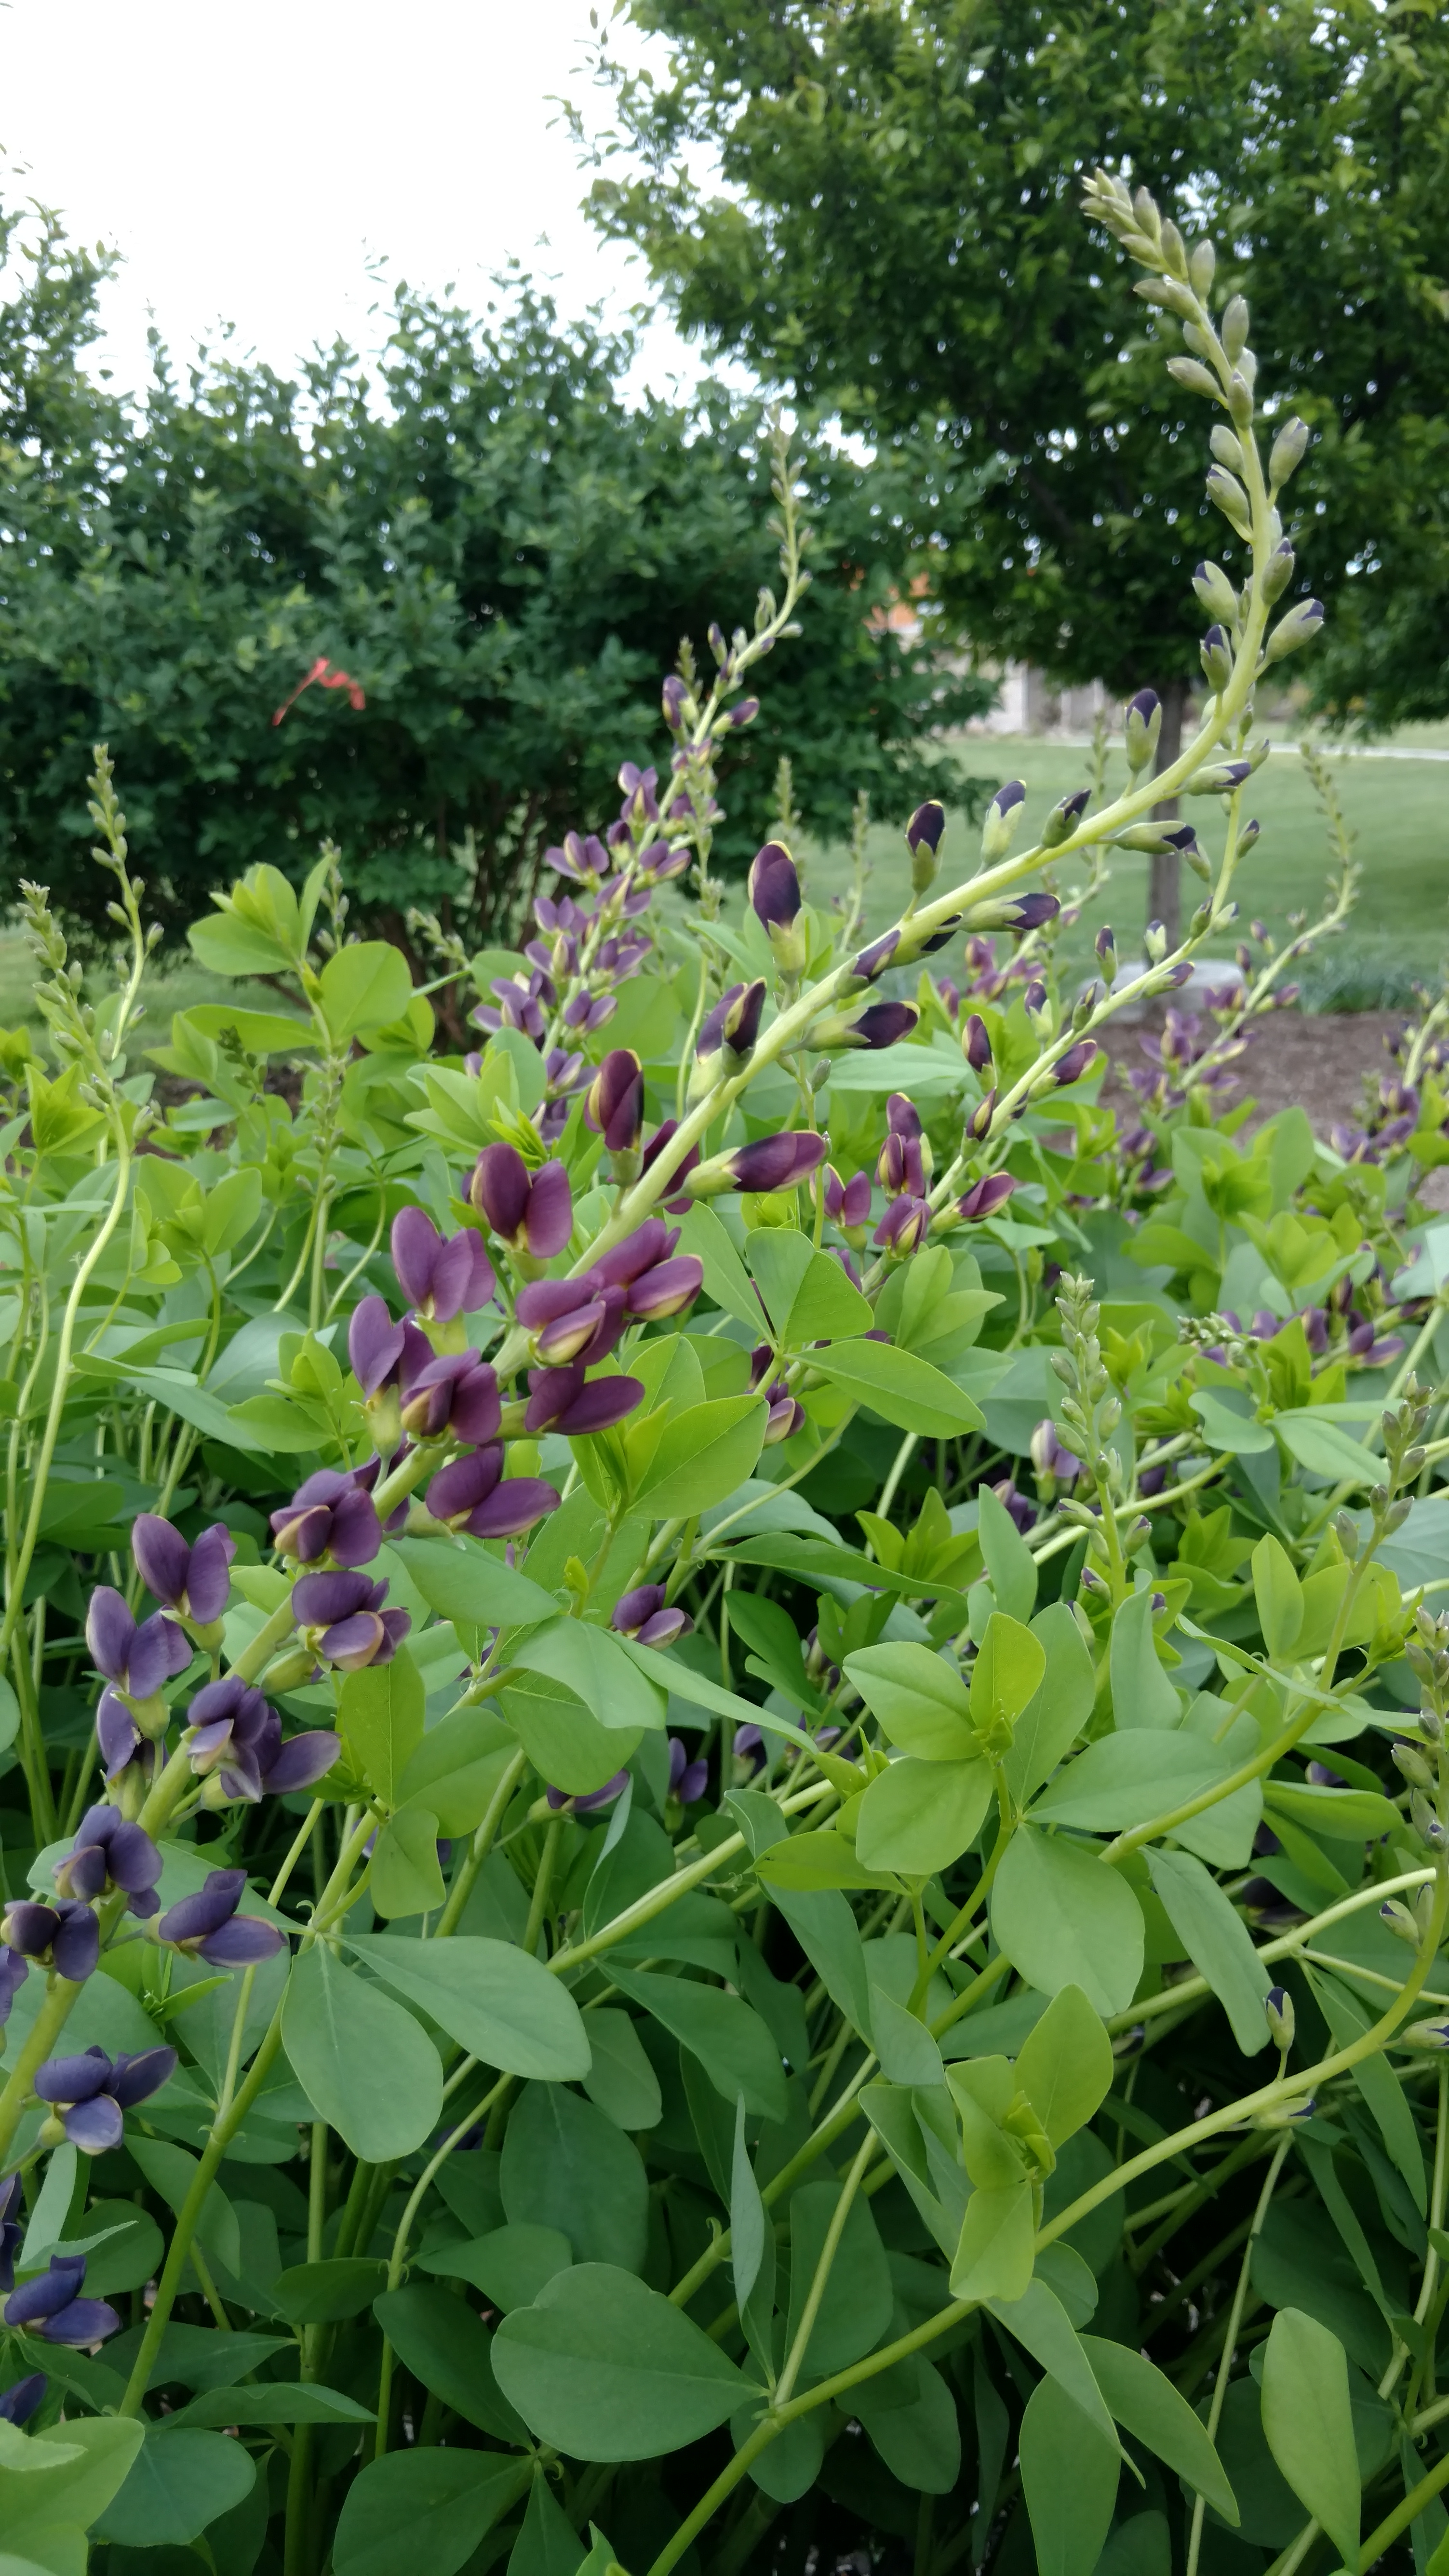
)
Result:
{"points": [[985, 1196], [117, 1733], [137, 2077], [668, 1288], [83, 1872], [207, 1908], [774, 887], [633, 1608], [14, 1969], [77, 1945], [597, 1407], [49, 2293], [874, 960], [476, 1412], [73, 2079], [927, 824], [664, 1627], [457, 1490], [550, 1212], [95, 2126], [85, 2321], [543, 1301], [320, 1599], [374, 1344], [30, 1927], [499, 1189], [242, 1943], [462, 1277], [208, 1577], [416, 1245], [162, 1557], [109, 1631], [353, 1643], [883, 1023], [639, 1251], [513, 1507], [614, 1106], [356, 1533], [19, 2402], [777, 1162], [302, 1762]]}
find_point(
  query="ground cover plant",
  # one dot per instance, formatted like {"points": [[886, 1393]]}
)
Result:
{"points": [[725, 1822]]}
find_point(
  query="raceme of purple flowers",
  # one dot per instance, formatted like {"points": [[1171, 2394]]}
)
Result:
{"points": [[90, 2093]]}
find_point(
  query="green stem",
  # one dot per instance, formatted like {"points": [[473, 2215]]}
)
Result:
{"points": [[823, 2269], [1235, 2319]]}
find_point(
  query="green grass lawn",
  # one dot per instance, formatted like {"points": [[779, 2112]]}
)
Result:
{"points": [[1396, 809]]}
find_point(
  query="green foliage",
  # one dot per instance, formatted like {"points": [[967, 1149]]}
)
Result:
{"points": [[768, 1893]]}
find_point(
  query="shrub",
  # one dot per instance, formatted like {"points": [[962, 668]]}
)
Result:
{"points": [[696, 1883]]}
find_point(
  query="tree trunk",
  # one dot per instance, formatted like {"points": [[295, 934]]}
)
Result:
{"points": [[1164, 874]]}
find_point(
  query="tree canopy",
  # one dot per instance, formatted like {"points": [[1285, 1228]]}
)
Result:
{"points": [[498, 550], [901, 239]]}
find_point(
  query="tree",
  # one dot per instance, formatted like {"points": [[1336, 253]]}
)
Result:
{"points": [[501, 557], [902, 240]]}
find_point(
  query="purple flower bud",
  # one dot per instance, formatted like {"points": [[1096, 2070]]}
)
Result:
{"points": [[783, 1420], [138, 1659], [208, 1926], [687, 1780], [571, 1319], [642, 1614], [667, 1289], [374, 1345], [532, 1212], [330, 1514], [905, 1224], [770, 1163], [690, 1163], [774, 886], [985, 1196], [614, 1107], [457, 1393], [1071, 1066], [1022, 1512], [749, 1746], [440, 1278], [733, 1023], [66, 1934], [474, 1495], [976, 1044], [873, 961], [926, 824], [580, 1806], [672, 696], [50, 2305], [748, 708], [881, 1025], [110, 1853], [560, 1401], [20, 2401]]}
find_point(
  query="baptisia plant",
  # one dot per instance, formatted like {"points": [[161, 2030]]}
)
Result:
{"points": [[726, 1800]]}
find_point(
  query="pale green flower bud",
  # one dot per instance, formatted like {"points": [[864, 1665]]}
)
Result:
{"points": [[1299, 627], [1288, 450], [1233, 328], [1216, 593]]}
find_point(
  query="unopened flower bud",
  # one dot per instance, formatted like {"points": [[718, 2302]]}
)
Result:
{"points": [[1278, 2007], [1216, 593], [1143, 728], [1299, 627], [923, 840], [1063, 819], [1002, 816], [1288, 451], [1217, 659]]}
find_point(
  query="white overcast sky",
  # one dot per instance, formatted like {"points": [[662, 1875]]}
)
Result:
{"points": [[250, 161]]}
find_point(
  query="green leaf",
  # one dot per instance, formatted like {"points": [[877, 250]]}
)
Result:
{"points": [[423, 2509], [917, 1817], [729, 2039], [1232, 1427], [703, 1454], [1060, 1708], [371, 2071], [502, 2006], [1041, 2324], [227, 945], [566, 2166], [919, 1698], [726, 1279], [363, 987], [752, 2248], [920, 2442], [1007, 1673], [276, 2401], [1129, 1779], [1217, 1941], [1064, 2066], [808, 1862], [547, 2544], [9, 1716], [455, 1771], [1063, 1919], [1142, 1695], [856, 2308], [1009, 1561], [1279, 1596], [1344, 1815], [1069, 2481], [1148, 2405], [460, 1580], [1308, 2423], [998, 2244], [808, 1295], [444, 2344], [180, 2482], [406, 1876], [380, 1712], [510, 2265], [592, 1664], [621, 2080], [260, 1032], [61, 2481], [171, 2171], [322, 2294], [127, 2259], [605, 2369], [1325, 1450], [901, 1387]]}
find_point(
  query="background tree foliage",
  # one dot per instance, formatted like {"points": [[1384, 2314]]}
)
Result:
{"points": [[484, 533], [901, 239]]}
